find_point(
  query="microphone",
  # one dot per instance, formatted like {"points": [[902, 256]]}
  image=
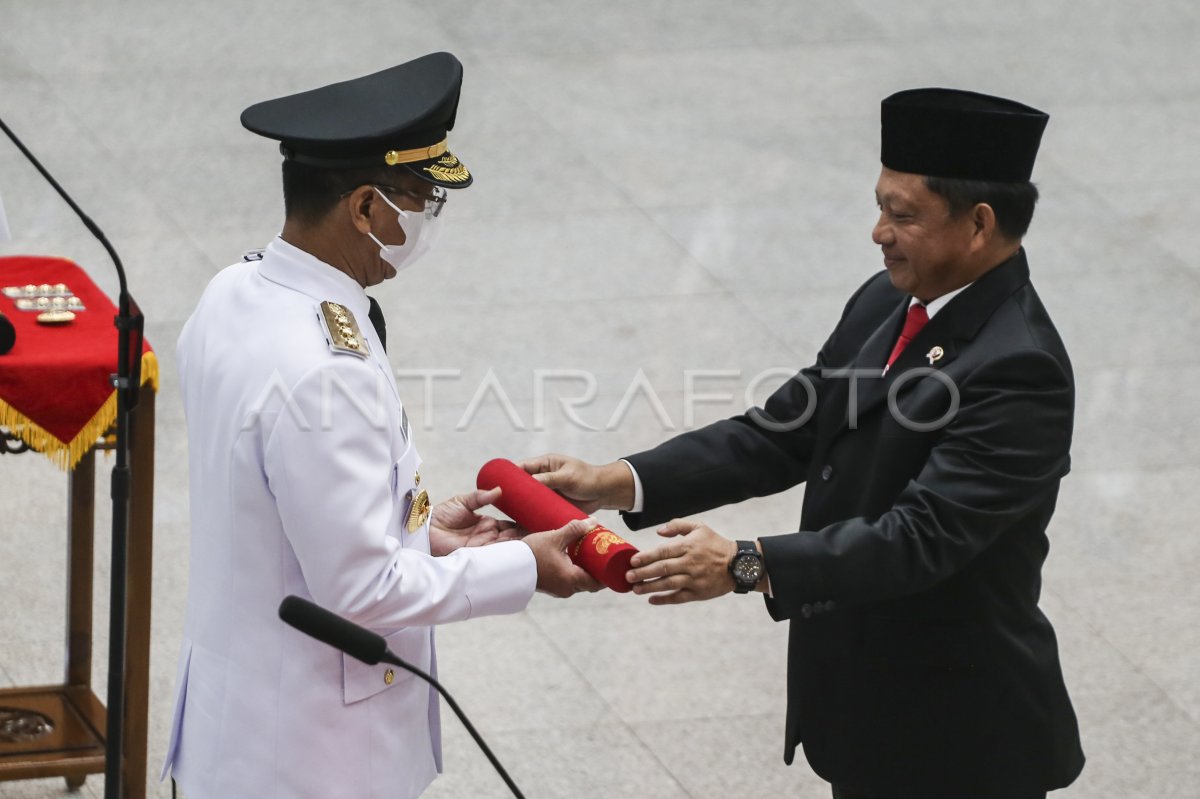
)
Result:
{"points": [[330, 628], [8, 334], [601, 553], [371, 648]]}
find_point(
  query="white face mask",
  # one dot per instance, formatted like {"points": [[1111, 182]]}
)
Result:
{"points": [[421, 231]]}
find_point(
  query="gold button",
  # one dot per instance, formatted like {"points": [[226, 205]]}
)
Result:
{"points": [[417, 477], [389, 677]]}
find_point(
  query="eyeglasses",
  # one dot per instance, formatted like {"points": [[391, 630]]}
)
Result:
{"points": [[434, 202]]}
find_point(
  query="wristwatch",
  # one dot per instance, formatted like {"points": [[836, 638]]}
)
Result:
{"points": [[747, 567]]}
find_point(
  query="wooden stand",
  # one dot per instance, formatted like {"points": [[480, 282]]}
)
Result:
{"points": [[74, 747]]}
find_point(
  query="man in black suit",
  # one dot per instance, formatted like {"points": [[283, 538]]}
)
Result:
{"points": [[932, 433]]}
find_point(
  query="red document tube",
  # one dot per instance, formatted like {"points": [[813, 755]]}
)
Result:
{"points": [[601, 553]]}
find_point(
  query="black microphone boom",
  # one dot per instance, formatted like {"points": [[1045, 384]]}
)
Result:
{"points": [[127, 380], [330, 628], [371, 648]]}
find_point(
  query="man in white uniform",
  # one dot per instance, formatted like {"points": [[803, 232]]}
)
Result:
{"points": [[305, 479]]}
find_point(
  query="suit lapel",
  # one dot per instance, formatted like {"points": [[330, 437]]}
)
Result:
{"points": [[958, 322], [922, 351], [871, 388], [864, 372]]}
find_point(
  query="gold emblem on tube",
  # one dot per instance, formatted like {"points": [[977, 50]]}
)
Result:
{"points": [[606, 539]]}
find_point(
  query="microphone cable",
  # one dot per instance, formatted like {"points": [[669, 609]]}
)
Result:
{"points": [[371, 648], [458, 711]]}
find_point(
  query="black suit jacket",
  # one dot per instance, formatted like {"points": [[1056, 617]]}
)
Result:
{"points": [[919, 664]]}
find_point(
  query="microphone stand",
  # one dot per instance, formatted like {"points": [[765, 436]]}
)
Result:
{"points": [[127, 381]]}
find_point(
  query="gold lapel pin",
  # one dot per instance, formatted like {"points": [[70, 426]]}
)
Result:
{"points": [[935, 355], [420, 511]]}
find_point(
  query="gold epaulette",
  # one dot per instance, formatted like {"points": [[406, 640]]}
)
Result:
{"points": [[344, 335]]}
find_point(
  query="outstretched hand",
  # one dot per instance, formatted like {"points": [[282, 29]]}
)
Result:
{"points": [[556, 574], [586, 486], [692, 567], [456, 523]]}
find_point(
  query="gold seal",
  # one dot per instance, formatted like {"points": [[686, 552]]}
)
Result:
{"points": [[419, 513], [605, 539]]}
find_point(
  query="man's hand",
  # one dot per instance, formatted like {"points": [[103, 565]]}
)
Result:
{"points": [[556, 574], [455, 523], [694, 566], [587, 486]]}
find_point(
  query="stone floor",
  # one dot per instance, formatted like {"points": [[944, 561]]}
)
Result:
{"points": [[662, 186]]}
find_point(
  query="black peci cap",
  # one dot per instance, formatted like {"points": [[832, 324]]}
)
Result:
{"points": [[398, 117], [950, 133]]}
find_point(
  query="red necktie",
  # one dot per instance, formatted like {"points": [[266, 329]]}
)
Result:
{"points": [[917, 317]]}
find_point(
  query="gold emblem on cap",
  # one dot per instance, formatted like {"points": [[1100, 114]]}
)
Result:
{"points": [[449, 168], [393, 157], [935, 355], [419, 513]]}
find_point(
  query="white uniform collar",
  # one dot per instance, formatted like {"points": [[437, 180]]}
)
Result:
{"points": [[296, 269]]}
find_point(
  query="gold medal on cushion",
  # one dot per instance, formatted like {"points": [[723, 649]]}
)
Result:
{"points": [[418, 514]]}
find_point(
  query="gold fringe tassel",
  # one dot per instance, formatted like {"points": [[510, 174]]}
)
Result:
{"points": [[67, 455]]}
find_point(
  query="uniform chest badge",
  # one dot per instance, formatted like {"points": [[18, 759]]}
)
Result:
{"points": [[419, 513], [344, 334]]}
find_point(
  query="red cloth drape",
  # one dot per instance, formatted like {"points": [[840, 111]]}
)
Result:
{"points": [[54, 383]]}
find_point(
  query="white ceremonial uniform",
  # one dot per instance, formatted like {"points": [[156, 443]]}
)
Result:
{"points": [[302, 477]]}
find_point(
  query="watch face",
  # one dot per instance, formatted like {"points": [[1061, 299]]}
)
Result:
{"points": [[748, 569]]}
